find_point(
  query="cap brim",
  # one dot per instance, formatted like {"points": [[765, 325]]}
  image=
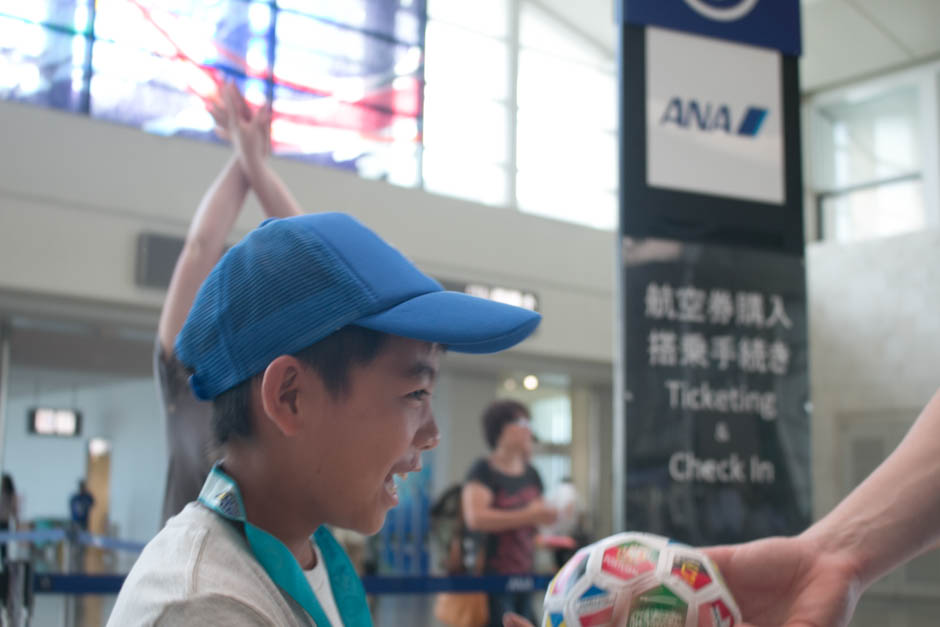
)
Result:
{"points": [[463, 323]]}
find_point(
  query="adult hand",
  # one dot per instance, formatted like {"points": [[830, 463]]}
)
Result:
{"points": [[218, 108], [249, 131], [777, 582], [540, 513], [790, 582], [514, 620]]}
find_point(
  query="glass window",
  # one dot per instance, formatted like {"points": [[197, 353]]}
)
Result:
{"points": [[542, 32], [348, 81], [480, 182], [472, 130], [537, 193], [585, 160], [869, 139], [567, 94], [43, 52], [551, 424], [466, 63], [466, 117], [879, 211], [487, 17], [566, 142], [345, 78], [399, 21], [552, 468], [347, 100], [867, 164], [155, 64], [551, 419]]}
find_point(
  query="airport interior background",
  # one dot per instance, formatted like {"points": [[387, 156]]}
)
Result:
{"points": [[509, 190]]}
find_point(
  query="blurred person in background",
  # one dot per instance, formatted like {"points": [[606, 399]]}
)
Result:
{"points": [[80, 505], [11, 553], [9, 511], [9, 504], [502, 501], [187, 418]]}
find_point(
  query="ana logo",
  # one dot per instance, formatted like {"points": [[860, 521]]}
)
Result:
{"points": [[711, 117], [722, 10]]}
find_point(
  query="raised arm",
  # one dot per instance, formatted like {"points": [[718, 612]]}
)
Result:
{"points": [[204, 244], [480, 515], [250, 134]]}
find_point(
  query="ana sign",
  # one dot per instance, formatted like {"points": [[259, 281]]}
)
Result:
{"points": [[708, 116], [714, 117]]}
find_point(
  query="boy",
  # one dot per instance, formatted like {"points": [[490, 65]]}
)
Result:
{"points": [[318, 344]]}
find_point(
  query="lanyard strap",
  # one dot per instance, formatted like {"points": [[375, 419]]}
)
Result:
{"points": [[221, 495]]}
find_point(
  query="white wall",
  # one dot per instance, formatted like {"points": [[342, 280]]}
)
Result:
{"points": [[874, 311], [75, 192], [874, 338]]}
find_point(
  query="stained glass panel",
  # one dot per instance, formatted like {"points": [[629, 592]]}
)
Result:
{"points": [[345, 78]]}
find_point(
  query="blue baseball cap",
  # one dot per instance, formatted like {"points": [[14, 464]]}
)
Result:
{"points": [[293, 281]]}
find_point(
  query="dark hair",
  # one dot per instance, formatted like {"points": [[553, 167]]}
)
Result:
{"points": [[498, 415], [7, 486], [331, 358]]}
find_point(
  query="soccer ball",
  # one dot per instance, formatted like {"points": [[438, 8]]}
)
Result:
{"points": [[639, 580]]}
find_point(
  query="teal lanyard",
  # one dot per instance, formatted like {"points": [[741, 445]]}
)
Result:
{"points": [[221, 495]]}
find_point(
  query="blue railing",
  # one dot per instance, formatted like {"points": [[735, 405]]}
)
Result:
{"points": [[46, 583], [81, 584]]}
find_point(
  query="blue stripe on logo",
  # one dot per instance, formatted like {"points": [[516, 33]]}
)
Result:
{"points": [[752, 121]]}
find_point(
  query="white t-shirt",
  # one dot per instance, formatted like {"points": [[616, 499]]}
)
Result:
{"points": [[320, 583], [199, 570]]}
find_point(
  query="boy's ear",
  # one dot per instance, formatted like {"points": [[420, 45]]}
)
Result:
{"points": [[283, 390]]}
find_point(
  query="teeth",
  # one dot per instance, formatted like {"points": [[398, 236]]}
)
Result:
{"points": [[403, 475]]}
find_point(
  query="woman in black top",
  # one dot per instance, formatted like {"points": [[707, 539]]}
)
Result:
{"points": [[502, 499]]}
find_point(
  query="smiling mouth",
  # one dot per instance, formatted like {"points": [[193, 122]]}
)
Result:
{"points": [[391, 485], [395, 479]]}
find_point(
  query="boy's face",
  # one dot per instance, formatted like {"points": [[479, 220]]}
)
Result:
{"points": [[360, 441]]}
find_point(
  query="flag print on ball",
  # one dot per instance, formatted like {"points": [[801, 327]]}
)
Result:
{"points": [[639, 580]]}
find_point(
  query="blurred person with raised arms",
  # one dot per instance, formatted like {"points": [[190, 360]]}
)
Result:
{"points": [[188, 418]]}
